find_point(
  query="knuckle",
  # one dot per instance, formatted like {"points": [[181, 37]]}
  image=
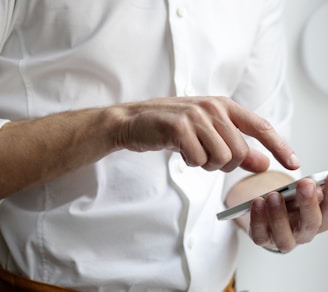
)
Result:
{"points": [[181, 125], [235, 159], [263, 125], [217, 106], [286, 246], [261, 241], [311, 228], [224, 157], [282, 146], [229, 167], [209, 166], [240, 153], [218, 161], [305, 239], [194, 110], [196, 161], [307, 233]]}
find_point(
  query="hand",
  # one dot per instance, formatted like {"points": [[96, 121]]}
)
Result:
{"points": [[205, 130], [277, 225]]}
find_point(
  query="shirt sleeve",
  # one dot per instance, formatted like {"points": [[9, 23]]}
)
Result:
{"points": [[263, 88], [3, 122], [7, 16]]}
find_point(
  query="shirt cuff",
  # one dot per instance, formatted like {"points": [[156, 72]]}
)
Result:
{"points": [[3, 122]]}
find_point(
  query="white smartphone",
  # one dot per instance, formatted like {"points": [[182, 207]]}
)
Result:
{"points": [[287, 191]]}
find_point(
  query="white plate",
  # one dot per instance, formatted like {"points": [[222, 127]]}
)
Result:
{"points": [[315, 48]]}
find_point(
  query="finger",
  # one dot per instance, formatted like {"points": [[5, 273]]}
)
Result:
{"points": [[281, 232], [259, 226], [257, 127], [225, 146], [324, 207], [292, 205], [230, 148], [200, 143], [191, 149], [239, 152], [195, 155], [310, 211], [218, 152], [255, 162], [234, 141]]}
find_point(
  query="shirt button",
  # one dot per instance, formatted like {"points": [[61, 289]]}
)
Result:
{"points": [[181, 12], [181, 166], [190, 242], [188, 91]]}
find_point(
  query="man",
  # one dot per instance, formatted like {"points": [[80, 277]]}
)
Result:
{"points": [[130, 126]]}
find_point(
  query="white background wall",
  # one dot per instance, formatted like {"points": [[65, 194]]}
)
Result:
{"points": [[306, 268]]}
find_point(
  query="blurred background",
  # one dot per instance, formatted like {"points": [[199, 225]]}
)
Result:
{"points": [[306, 268]]}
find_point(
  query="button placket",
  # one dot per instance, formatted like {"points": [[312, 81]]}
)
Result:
{"points": [[188, 91], [181, 12], [178, 21]]}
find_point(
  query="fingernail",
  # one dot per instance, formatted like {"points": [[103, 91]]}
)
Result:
{"points": [[294, 161], [307, 191], [274, 199], [258, 204], [320, 193]]}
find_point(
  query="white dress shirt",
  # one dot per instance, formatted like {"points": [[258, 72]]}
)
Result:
{"points": [[133, 221]]}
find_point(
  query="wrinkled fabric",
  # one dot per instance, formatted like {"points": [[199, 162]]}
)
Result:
{"points": [[133, 221]]}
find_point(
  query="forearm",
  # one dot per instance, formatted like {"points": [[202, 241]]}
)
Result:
{"points": [[33, 152], [205, 130], [253, 186]]}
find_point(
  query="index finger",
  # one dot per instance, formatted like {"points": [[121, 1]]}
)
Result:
{"points": [[259, 128]]}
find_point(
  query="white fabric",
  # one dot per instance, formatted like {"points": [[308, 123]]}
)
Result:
{"points": [[133, 221], [3, 122], [7, 16]]}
